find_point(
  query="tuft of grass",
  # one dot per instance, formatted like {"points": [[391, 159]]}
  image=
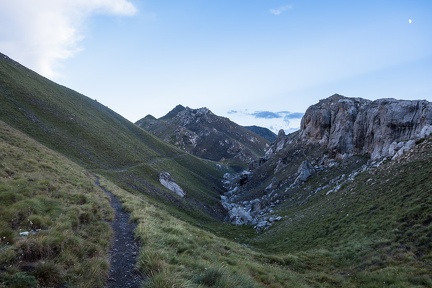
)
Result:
{"points": [[210, 277], [48, 274], [163, 280], [151, 262], [224, 278]]}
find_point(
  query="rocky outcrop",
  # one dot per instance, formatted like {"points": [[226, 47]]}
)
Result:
{"points": [[166, 181], [305, 171], [257, 212], [281, 142], [348, 126]]}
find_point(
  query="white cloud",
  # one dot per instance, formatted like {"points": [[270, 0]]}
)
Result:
{"points": [[280, 10], [289, 121], [42, 33]]}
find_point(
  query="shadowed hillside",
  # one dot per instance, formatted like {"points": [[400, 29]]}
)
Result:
{"points": [[96, 137], [263, 132]]}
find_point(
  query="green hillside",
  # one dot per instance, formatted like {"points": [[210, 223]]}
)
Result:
{"points": [[102, 141]]}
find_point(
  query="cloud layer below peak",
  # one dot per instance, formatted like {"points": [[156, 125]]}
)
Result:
{"points": [[289, 121], [43, 33]]}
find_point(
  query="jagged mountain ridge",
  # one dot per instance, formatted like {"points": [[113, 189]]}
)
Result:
{"points": [[206, 135]]}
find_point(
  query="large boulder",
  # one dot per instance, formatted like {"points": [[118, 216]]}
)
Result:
{"points": [[305, 171], [166, 181]]}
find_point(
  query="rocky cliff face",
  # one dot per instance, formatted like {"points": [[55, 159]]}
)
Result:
{"points": [[348, 126]]}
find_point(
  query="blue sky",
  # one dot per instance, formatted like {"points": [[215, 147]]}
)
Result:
{"points": [[256, 62]]}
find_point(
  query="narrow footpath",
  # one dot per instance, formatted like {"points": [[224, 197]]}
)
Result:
{"points": [[124, 250]]}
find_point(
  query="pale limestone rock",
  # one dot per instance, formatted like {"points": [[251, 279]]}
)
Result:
{"points": [[305, 171], [280, 142], [166, 180], [350, 126]]}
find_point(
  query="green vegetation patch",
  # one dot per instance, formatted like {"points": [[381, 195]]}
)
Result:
{"points": [[53, 220], [92, 135]]}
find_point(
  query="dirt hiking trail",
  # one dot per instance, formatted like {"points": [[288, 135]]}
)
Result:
{"points": [[124, 250]]}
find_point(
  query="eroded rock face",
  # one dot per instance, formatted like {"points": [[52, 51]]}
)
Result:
{"points": [[386, 121], [358, 126], [257, 212]]}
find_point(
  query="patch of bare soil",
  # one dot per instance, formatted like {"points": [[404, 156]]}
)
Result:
{"points": [[124, 250]]}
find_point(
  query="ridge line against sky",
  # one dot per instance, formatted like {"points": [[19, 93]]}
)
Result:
{"points": [[251, 61]]}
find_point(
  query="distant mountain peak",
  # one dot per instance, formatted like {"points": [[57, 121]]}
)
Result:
{"points": [[189, 115], [150, 117], [173, 112], [207, 135]]}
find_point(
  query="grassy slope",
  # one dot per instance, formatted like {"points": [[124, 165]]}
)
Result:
{"points": [[40, 189], [374, 235], [375, 230], [101, 140], [177, 254]]}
